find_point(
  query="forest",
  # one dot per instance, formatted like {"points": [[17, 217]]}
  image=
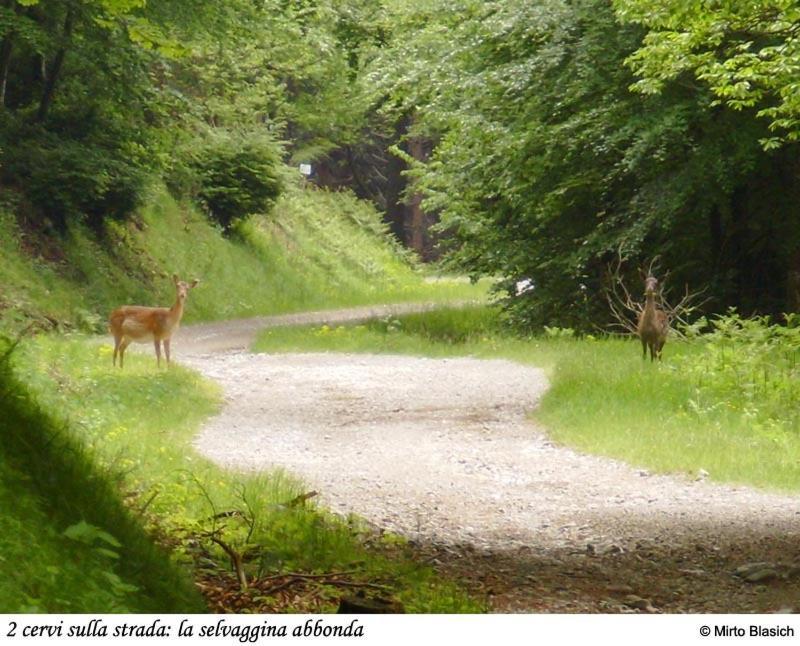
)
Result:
{"points": [[528, 141], [339, 188]]}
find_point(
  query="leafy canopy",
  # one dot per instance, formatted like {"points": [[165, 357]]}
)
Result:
{"points": [[748, 53]]}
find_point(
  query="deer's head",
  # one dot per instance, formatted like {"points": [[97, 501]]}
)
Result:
{"points": [[650, 286], [182, 288]]}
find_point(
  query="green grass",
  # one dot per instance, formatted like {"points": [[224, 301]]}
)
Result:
{"points": [[442, 332], [603, 398], [67, 542], [138, 425], [316, 250]]}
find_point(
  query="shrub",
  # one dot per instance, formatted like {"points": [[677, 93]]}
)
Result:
{"points": [[237, 174], [65, 178]]}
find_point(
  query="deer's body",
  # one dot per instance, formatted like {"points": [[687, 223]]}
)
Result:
{"points": [[653, 325], [141, 324]]}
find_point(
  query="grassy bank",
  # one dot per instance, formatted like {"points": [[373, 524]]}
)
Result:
{"points": [[710, 405], [137, 427], [316, 250], [67, 541]]}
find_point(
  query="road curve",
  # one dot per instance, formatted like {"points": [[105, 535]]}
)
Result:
{"points": [[443, 451]]}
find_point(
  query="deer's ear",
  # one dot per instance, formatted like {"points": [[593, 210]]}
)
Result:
{"points": [[194, 283], [175, 278]]}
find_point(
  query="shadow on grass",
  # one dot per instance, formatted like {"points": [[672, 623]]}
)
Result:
{"points": [[65, 492]]}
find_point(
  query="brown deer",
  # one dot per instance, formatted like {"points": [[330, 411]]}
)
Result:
{"points": [[142, 324], [653, 323]]}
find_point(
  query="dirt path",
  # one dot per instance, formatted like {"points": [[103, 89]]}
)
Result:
{"points": [[441, 451], [239, 334]]}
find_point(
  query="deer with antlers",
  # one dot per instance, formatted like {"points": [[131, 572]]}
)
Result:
{"points": [[654, 318], [142, 324], [653, 324]]}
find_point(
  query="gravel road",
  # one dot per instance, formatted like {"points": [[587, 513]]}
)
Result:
{"points": [[443, 452]]}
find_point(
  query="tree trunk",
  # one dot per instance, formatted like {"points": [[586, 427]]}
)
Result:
{"points": [[354, 174], [416, 222], [792, 170], [407, 219], [5, 57], [715, 233], [395, 183], [5, 63], [55, 68], [793, 283], [736, 260]]}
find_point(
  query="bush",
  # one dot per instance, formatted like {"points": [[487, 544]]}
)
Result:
{"points": [[237, 174], [72, 179]]}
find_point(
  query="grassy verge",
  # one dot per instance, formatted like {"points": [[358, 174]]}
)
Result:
{"points": [[315, 250], [138, 425], [669, 417], [67, 542]]}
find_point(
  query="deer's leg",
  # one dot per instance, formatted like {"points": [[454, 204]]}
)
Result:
{"points": [[157, 343], [122, 347], [117, 339], [166, 349], [644, 349]]}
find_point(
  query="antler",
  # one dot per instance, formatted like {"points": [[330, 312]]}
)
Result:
{"points": [[653, 263], [684, 307], [620, 301], [625, 310]]}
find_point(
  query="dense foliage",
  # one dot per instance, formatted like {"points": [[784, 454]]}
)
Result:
{"points": [[747, 53], [98, 96], [755, 373], [547, 164], [548, 137]]}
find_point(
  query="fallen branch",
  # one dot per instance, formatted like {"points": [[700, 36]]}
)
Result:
{"points": [[236, 560], [299, 500], [279, 587], [355, 584], [302, 575], [376, 605], [321, 579]]}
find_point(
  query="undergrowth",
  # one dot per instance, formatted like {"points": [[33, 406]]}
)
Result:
{"points": [[748, 368], [67, 541], [725, 402]]}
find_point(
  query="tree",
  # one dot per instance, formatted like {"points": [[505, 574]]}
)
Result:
{"points": [[747, 52], [546, 163]]}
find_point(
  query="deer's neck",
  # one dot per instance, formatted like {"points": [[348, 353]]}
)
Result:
{"points": [[176, 313], [649, 307]]}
